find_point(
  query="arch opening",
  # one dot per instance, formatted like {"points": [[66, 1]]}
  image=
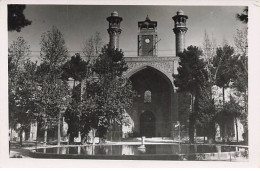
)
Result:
{"points": [[152, 83]]}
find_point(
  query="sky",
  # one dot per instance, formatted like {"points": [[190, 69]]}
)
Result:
{"points": [[79, 22]]}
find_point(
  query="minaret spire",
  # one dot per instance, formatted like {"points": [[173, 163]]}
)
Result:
{"points": [[180, 30], [114, 29]]}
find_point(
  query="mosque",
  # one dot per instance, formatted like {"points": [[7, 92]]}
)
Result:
{"points": [[157, 111]]}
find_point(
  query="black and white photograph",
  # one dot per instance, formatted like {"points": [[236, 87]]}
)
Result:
{"points": [[128, 82]]}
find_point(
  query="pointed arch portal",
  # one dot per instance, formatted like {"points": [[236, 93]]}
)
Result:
{"points": [[153, 118]]}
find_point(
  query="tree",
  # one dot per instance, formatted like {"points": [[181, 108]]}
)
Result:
{"points": [[18, 53], [231, 109], [191, 76], [77, 69], [241, 69], [240, 82], [54, 96], [224, 59], [53, 49], [92, 47], [107, 94], [54, 92], [209, 52], [207, 102], [22, 98], [224, 73], [72, 118], [221, 64], [21, 86], [243, 17], [16, 18]]}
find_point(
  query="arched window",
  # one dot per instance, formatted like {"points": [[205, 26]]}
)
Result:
{"points": [[147, 96]]}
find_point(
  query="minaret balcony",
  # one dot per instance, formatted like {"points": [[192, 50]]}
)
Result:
{"points": [[180, 25]]}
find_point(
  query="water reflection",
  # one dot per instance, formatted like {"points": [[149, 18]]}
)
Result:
{"points": [[63, 150], [127, 150], [79, 149], [172, 149]]}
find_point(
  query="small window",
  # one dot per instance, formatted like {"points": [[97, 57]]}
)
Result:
{"points": [[147, 96]]}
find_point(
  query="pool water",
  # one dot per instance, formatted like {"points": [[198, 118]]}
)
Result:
{"points": [[158, 149]]}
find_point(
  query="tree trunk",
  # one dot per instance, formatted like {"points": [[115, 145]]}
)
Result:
{"points": [[236, 129], [94, 134], [191, 129], [204, 136], [21, 137], [246, 101], [223, 93], [191, 121], [37, 131], [45, 136], [58, 139], [71, 139], [11, 134], [211, 132], [191, 132]]}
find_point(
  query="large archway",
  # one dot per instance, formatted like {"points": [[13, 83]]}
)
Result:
{"points": [[154, 91]]}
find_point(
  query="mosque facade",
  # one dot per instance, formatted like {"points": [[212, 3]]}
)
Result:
{"points": [[155, 112]]}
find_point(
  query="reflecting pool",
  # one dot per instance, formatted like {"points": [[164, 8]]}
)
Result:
{"points": [[157, 149]]}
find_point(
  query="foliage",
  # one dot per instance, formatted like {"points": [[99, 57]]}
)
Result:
{"points": [[240, 40], [77, 69], [191, 73], [243, 17], [231, 109], [16, 18], [207, 105], [209, 52], [72, 118], [240, 82], [191, 77], [224, 60], [226, 68], [241, 44], [21, 86], [107, 93], [241, 67], [53, 94], [92, 47], [53, 49], [110, 64], [18, 53], [53, 97], [22, 106]]}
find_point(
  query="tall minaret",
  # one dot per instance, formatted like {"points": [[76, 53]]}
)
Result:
{"points": [[114, 29], [180, 30]]}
